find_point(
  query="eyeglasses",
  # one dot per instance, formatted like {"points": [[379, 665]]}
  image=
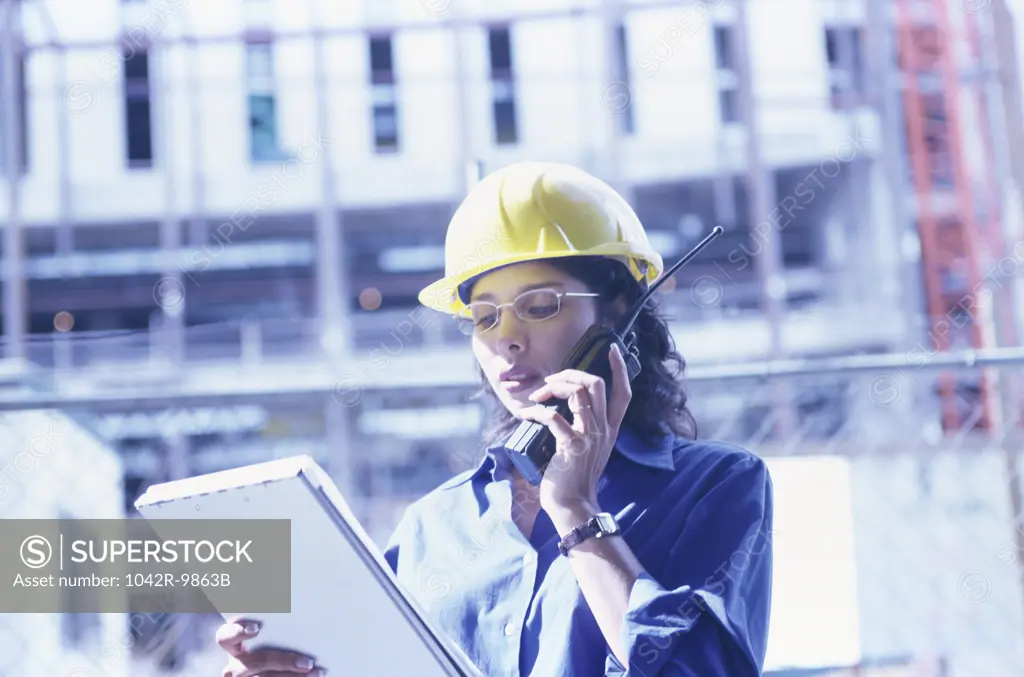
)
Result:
{"points": [[535, 305]]}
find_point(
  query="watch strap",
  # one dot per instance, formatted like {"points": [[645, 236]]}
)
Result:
{"points": [[599, 526]]}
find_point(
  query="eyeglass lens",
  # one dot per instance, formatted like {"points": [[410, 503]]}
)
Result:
{"points": [[531, 306]]}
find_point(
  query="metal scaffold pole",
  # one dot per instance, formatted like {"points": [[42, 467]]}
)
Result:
{"points": [[13, 254], [198, 229], [467, 165], [1007, 85], [333, 294], [65, 237], [333, 286], [616, 97], [762, 199], [170, 293], [761, 187], [883, 86]]}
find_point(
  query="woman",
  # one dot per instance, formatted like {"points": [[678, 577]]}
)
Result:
{"points": [[643, 551]]}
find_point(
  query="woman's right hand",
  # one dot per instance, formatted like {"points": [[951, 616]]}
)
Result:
{"points": [[262, 662]]}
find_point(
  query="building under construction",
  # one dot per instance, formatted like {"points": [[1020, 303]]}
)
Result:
{"points": [[217, 216]]}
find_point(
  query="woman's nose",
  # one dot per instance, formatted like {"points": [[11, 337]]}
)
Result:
{"points": [[512, 334]]}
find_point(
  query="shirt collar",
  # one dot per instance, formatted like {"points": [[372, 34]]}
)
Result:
{"points": [[658, 456]]}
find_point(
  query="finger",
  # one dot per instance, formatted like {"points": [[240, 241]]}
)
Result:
{"points": [[555, 422], [585, 415], [230, 636], [622, 391], [594, 384], [573, 392], [316, 672], [258, 663], [583, 402], [583, 378]]}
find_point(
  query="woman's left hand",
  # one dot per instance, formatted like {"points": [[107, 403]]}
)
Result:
{"points": [[570, 481]]}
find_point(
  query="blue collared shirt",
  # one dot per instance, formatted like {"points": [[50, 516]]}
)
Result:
{"points": [[698, 516]]}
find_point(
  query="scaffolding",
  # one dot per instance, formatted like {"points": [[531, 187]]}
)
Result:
{"points": [[947, 112], [778, 387], [972, 201], [332, 280], [896, 98]]}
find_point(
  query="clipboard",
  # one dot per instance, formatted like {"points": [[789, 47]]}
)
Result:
{"points": [[336, 569]]}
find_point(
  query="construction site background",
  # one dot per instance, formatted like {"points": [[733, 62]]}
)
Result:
{"points": [[216, 217]]}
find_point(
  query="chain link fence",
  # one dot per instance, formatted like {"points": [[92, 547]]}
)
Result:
{"points": [[897, 536], [898, 540]]}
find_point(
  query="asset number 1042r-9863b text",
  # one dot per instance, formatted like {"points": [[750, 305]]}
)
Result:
{"points": [[167, 580]]}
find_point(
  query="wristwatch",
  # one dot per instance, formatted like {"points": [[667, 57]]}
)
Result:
{"points": [[600, 525]]}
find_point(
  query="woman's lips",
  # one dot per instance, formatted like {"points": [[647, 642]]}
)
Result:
{"points": [[519, 385], [517, 380]]}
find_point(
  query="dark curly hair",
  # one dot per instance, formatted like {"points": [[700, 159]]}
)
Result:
{"points": [[658, 406]]}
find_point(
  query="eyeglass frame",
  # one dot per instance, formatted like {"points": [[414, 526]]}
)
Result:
{"points": [[499, 307]]}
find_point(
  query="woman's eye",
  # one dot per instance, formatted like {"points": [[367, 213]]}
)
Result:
{"points": [[541, 311]]}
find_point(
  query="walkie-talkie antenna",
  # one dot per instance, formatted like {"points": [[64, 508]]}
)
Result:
{"points": [[638, 306]]}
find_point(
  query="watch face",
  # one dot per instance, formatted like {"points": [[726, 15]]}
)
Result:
{"points": [[606, 522]]}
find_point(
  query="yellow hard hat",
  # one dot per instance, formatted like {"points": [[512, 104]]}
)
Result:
{"points": [[529, 211]]}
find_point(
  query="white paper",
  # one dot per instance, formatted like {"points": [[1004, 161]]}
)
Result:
{"points": [[348, 609]]}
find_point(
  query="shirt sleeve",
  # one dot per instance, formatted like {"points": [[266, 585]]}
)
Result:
{"points": [[708, 615]]}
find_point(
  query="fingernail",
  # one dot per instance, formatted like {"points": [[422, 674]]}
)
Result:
{"points": [[252, 628], [304, 663]]}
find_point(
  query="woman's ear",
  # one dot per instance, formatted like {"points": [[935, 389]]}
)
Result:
{"points": [[614, 310]]}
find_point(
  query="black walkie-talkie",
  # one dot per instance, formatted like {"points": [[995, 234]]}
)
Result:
{"points": [[532, 446]]}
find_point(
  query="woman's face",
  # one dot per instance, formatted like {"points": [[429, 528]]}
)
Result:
{"points": [[516, 355]]}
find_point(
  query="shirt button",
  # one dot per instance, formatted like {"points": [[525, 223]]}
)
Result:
{"points": [[529, 558], [510, 628]]}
